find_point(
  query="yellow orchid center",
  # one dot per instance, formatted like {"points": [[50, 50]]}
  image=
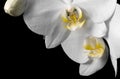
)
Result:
{"points": [[73, 18], [95, 47]]}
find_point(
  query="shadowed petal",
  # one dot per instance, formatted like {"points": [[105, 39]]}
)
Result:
{"points": [[40, 15], [114, 33], [59, 34], [93, 65], [97, 10]]}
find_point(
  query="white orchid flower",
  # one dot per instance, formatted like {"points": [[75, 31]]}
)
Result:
{"points": [[78, 25], [15, 7]]}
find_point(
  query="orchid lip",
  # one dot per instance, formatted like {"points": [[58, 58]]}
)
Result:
{"points": [[94, 47], [73, 18]]}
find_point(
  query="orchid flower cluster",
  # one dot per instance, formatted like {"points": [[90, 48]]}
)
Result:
{"points": [[80, 26]]}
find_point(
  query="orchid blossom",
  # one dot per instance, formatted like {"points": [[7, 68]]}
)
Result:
{"points": [[78, 25]]}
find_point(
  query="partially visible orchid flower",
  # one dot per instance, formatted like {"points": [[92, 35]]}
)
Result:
{"points": [[78, 25], [15, 7]]}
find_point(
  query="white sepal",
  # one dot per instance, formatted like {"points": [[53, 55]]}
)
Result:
{"points": [[113, 37]]}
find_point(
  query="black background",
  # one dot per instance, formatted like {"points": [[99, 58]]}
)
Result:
{"points": [[23, 54]]}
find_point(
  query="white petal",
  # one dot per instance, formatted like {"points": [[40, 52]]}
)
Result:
{"points": [[94, 65], [40, 15], [114, 63], [67, 1], [96, 29], [97, 10], [114, 33], [73, 46], [59, 34], [79, 1]]}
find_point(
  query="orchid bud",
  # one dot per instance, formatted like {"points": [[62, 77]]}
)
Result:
{"points": [[15, 7]]}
